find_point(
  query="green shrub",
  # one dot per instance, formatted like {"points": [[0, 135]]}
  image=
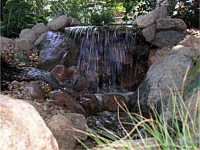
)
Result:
{"points": [[17, 15], [104, 17]]}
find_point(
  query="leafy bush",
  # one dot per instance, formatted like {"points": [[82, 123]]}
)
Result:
{"points": [[17, 15], [104, 17]]}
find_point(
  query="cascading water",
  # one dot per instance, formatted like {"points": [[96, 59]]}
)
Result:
{"points": [[106, 55]]}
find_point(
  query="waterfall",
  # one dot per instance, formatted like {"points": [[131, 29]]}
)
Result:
{"points": [[107, 52]]}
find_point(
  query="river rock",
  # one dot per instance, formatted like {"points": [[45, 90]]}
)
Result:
{"points": [[89, 102], [40, 28], [28, 34], [162, 75], [170, 24], [73, 73], [23, 44], [59, 72], [167, 38], [148, 19], [63, 99], [38, 74], [59, 23], [61, 127], [112, 102], [35, 91], [6, 43], [22, 127], [149, 32], [82, 85]]}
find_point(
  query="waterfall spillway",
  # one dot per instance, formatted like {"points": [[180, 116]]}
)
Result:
{"points": [[106, 55]]}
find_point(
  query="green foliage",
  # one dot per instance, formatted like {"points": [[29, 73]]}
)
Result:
{"points": [[187, 11], [103, 18], [17, 15], [192, 73]]}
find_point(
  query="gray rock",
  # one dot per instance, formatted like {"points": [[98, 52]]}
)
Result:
{"points": [[166, 74], [193, 53], [35, 90], [74, 22], [56, 49], [79, 124], [59, 23], [167, 38], [149, 32], [39, 39], [6, 43], [37, 74], [23, 44], [27, 34], [40, 28], [61, 127], [150, 18], [22, 127], [170, 24]]}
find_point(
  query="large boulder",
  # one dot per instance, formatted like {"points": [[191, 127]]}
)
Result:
{"points": [[170, 24], [149, 32], [40, 28], [23, 44], [67, 129], [167, 38], [27, 34], [163, 76], [21, 127], [56, 48], [6, 43], [59, 23], [61, 128], [150, 18], [191, 41]]}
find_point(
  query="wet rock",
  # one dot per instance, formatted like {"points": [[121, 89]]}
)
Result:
{"points": [[59, 23], [79, 124], [150, 18], [190, 41], [89, 102], [23, 44], [27, 34], [167, 38], [154, 89], [37, 74], [63, 99], [35, 91], [59, 72], [6, 43], [22, 127], [112, 102], [40, 28], [170, 24], [56, 49], [149, 32], [61, 127], [73, 73], [82, 85]]}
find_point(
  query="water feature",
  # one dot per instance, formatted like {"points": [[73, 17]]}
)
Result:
{"points": [[106, 55]]}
